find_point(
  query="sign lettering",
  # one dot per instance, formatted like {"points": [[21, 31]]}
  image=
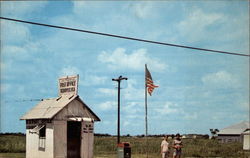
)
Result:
{"points": [[68, 85]]}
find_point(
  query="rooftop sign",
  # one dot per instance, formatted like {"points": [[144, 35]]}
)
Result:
{"points": [[68, 85]]}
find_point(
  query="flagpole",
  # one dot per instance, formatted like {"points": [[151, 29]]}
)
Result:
{"points": [[146, 112], [149, 87]]}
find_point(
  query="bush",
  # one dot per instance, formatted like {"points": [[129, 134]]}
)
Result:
{"points": [[12, 143]]}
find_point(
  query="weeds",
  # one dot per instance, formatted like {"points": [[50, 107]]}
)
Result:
{"points": [[106, 147]]}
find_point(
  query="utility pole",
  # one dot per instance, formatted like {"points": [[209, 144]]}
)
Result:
{"points": [[118, 119]]}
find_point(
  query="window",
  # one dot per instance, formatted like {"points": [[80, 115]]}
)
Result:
{"points": [[42, 132], [42, 138]]}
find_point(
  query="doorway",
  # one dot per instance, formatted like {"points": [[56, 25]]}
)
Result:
{"points": [[73, 139]]}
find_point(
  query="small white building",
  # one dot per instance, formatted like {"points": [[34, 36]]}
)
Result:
{"points": [[61, 127], [246, 139], [233, 133]]}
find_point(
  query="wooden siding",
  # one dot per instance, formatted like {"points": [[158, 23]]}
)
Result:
{"points": [[230, 138], [75, 108], [40, 147], [246, 142], [60, 139], [87, 140]]}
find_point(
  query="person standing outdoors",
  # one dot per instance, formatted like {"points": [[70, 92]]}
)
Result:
{"points": [[165, 147], [177, 145]]}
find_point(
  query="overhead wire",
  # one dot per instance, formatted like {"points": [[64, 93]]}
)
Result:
{"points": [[25, 100], [126, 37]]}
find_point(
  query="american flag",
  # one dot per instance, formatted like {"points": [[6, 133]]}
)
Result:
{"points": [[149, 82]]}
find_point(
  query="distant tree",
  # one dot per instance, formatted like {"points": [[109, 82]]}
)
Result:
{"points": [[142, 135], [205, 136], [214, 132], [102, 135]]}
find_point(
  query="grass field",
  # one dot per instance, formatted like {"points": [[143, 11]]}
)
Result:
{"points": [[12, 155], [192, 147], [105, 147], [12, 143]]}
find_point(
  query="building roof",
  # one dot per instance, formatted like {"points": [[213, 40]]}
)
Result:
{"points": [[48, 108], [235, 129], [246, 132]]}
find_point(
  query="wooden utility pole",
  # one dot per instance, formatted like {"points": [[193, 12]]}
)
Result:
{"points": [[118, 119]]}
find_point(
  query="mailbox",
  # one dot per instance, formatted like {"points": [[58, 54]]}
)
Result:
{"points": [[124, 150]]}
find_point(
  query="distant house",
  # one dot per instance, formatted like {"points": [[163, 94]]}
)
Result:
{"points": [[246, 139], [194, 136], [60, 127], [189, 136], [233, 133]]}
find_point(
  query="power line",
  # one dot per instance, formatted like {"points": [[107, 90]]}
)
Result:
{"points": [[24, 100], [125, 37]]}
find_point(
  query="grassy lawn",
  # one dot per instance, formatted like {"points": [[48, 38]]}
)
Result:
{"points": [[105, 147], [192, 147], [133, 156], [12, 155], [12, 143], [22, 155]]}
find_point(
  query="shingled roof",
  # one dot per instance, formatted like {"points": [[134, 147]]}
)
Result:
{"points": [[48, 108], [235, 129]]}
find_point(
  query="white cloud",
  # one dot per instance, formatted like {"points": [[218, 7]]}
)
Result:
{"points": [[142, 9], [108, 105], [78, 6], [131, 92], [236, 23], [168, 108], [245, 105], [191, 116], [3, 66], [13, 55], [126, 123], [90, 80], [220, 79], [69, 70], [82, 7], [5, 88], [119, 59], [107, 91], [23, 52], [194, 27], [132, 108], [14, 33], [108, 123], [14, 51], [21, 8]]}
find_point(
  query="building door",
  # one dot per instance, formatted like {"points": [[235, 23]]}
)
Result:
{"points": [[73, 139]]}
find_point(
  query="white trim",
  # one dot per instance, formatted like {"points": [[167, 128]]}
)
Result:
{"points": [[80, 119], [36, 129]]}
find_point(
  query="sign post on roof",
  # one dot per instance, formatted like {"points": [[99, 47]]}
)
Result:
{"points": [[68, 85]]}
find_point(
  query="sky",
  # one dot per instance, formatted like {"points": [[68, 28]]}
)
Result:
{"points": [[197, 90]]}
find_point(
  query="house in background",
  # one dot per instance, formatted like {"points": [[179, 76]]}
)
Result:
{"points": [[246, 139], [233, 133]]}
